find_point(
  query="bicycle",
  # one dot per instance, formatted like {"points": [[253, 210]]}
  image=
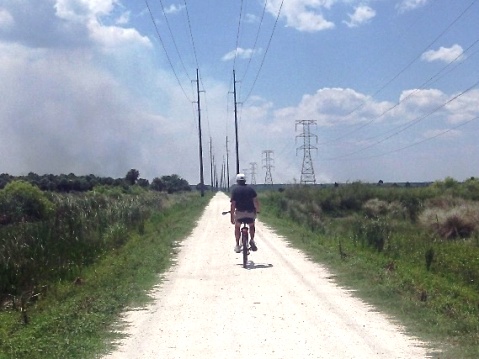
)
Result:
{"points": [[245, 247]]}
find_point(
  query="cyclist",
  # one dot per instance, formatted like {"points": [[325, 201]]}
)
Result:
{"points": [[244, 205]]}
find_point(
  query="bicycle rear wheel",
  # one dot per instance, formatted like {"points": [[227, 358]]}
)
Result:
{"points": [[244, 238]]}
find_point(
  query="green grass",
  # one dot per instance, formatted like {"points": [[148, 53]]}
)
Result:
{"points": [[74, 319], [440, 305]]}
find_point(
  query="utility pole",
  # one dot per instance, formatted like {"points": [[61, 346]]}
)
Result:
{"points": [[227, 165], [253, 172], [202, 182], [236, 123], [268, 164], [307, 171], [223, 173], [212, 161]]}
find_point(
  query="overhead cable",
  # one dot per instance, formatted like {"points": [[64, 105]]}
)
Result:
{"points": [[256, 38], [173, 39], [409, 124], [166, 52], [409, 64], [431, 80], [266, 52], [442, 133], [191, 34]]}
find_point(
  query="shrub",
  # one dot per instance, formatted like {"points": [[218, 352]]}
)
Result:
{"points": [[20, 201], [456, 220], [375, 208], [372, 232]]}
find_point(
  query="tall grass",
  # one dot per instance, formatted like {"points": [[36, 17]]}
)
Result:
{"points": [[78, 318], [416, 249], [79, 230]]}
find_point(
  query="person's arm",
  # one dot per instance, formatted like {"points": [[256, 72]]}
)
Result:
{"points": [[232, 211]]}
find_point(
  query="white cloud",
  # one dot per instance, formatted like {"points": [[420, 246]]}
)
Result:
{"points": [[464, 108], [6, 19], [84, 113], [408, 5], [239, 53], [421, 100], [174, 9], [336, 106], [73, 118], [89, 12], [444, 54], [362, 14], [81, 10], [251, 18], [124, 18], [111, 36], [303, 15]]}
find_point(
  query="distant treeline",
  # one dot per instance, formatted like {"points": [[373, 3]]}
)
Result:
{"points": [[65, 183]]}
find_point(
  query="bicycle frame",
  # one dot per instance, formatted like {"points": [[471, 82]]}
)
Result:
{"points": [[244, 240]]}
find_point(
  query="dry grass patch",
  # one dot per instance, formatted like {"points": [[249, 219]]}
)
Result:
{"points": [[451, 219]]}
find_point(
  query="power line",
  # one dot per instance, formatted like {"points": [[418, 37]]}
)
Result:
{"points": [[408, 124], [409, 64], [431, 80], [266, 52], [191, 34], [166, 52], [173, 39], [418, 142], [238, 34], [256, 38]]}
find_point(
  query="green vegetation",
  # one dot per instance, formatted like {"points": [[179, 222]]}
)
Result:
{"points": [[413, 252], [72, 183], [71, 262]]}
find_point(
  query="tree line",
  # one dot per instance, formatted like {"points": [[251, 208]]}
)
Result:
{"points": [[65, 183]]}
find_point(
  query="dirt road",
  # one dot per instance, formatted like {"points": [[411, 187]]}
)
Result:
{"points": [[283, 306]]}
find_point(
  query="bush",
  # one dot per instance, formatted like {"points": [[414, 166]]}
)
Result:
{"points": [[375, 208], [372, 232], [21, 202], [451, 219]]}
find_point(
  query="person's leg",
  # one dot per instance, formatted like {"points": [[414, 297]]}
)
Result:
{"points": [[237, 232], [237, 237], [252, 243]]}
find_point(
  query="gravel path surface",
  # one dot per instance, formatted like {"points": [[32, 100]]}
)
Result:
{"points": [[282, 306]]}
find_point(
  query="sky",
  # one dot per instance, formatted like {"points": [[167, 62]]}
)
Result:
{"points": [[326, 90]]}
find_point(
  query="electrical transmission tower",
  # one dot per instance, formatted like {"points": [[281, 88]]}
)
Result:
{"points": [[268, 164], [253, 172], [307, 171]]}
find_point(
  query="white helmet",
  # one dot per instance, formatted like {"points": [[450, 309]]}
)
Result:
{"points": [[240, 177]]}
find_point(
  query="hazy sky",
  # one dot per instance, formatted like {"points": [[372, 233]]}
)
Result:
{"points": [[103, 86]]}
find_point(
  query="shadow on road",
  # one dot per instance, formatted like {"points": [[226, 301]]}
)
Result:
{"points": [[253, 265]]}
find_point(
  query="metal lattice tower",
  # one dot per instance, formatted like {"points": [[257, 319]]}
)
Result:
{"points": [[245, 172], [307, 171], [253, 172], [268, 165]]}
